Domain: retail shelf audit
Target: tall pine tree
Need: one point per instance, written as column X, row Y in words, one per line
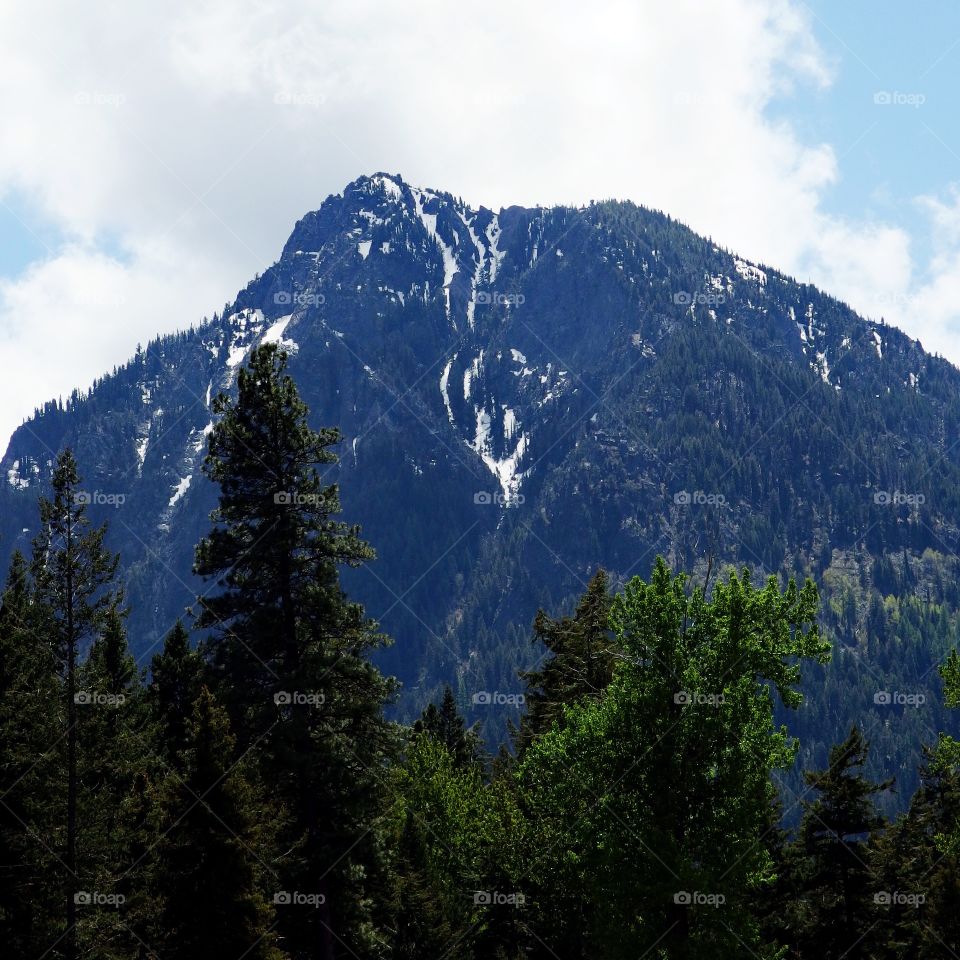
column 290, row 652
column 74, row 576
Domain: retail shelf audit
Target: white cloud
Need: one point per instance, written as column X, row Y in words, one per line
column 153, row 137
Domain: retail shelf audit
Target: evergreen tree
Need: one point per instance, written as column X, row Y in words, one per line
column 74, row 575
column 290, row 653
column 579, row 664
column 30, row 788
column 116, row 751
column 836, row 902
column 208, row 872
column 177, row 674
column 446, row 725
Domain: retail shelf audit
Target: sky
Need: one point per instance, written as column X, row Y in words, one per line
column 156, row 156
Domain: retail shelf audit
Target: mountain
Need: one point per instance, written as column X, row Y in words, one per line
column 530, row 393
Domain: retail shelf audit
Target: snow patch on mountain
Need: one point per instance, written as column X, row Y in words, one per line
column 429, row 221
column 496, row 254
column 142, row 444
column 182, row 486
column 478, row 270
column 14, row 478
column 504, row 470
column 750, row 272
column 444, row 382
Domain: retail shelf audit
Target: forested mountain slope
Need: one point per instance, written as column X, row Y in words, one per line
column 529, row 394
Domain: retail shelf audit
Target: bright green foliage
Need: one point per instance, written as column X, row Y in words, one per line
column 659, row 792
column 457, row 858
column 948, row 749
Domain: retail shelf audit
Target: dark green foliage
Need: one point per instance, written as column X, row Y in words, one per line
column 834, row 903
column 177, row 674
column 580, row 654
column 30, row 789
column 288, row 653
column 210, row 859
column 74, row 594
column 445, row 725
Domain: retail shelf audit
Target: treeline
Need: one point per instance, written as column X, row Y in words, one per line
column 248, row 798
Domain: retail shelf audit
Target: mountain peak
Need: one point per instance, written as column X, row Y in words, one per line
column 524, row 394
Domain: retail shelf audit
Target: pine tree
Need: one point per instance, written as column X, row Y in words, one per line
column 832, row 855
column 115, row 754
column 290, row 653
column 74, row 575
column 29, row 785
column 446, row 725
column 177, row 674
column 208, row 871
column 579, row 665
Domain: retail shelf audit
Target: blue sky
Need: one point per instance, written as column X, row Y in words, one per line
column 156, row 158
column 888, row 154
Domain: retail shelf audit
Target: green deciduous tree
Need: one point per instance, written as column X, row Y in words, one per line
column 649, row 805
